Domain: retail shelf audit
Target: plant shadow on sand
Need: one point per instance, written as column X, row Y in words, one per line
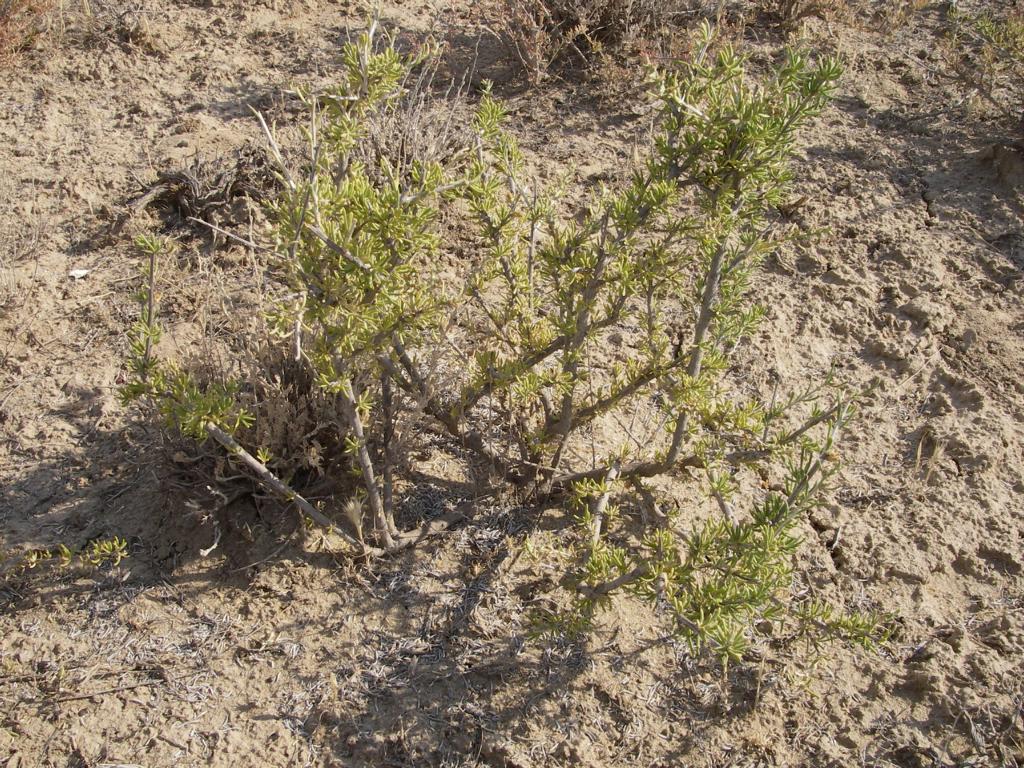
column 423, row 658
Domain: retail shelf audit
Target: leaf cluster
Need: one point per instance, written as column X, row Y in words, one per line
column 96, row 553
column 179, row 398
column 727, row 581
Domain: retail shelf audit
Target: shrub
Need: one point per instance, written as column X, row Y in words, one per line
column 510, row 359
column 541, row 34
column 789, row 14
column 988, row 55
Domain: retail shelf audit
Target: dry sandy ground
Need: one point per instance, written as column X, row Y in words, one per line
column 174, row 659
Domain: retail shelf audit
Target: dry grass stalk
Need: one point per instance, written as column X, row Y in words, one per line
column 540, row 34
column 20, row 23
column 790, row 14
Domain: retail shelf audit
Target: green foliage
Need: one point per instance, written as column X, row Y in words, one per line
column 176, row 394
column 724, row 579
column 668, row 253
column 95, row 554
column 357, row 238
column 682, row 237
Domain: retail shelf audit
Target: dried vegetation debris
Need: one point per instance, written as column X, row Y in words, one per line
column 206, row 190
column 20, row 22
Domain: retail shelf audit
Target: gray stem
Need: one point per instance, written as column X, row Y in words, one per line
column 599, row 505
column 278, row 486
column 350, row 409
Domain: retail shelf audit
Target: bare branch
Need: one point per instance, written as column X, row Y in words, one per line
column 281, row 488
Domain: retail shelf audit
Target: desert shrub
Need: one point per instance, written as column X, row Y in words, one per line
column 509, row 354
column 789, row 14
column 541, row 34
column 987, row 53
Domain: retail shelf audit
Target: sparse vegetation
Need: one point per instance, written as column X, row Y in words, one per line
column 670, row 253
column 541, row 34
column 93, row 555
column 577, row 614
column 20, row 22
column 988, row 55
column 789, row 14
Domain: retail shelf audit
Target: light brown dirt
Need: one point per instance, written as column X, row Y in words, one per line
column 176, row 659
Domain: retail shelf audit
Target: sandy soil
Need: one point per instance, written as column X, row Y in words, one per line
column 176, row 659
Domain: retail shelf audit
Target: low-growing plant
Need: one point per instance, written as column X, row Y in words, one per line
column 95, row 554
column 540, row 34
column 987, row 53
column 20, row 23
column 521, row 356
column 790, row 14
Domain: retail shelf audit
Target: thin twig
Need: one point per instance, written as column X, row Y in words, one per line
column 607, row 587
column 81, row 696
column 236, row 238
column 350, row 408
column 146, row 356
column 276, row 149
column 338, row 249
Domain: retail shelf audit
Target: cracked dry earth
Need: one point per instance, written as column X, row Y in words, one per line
column 268, row 653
